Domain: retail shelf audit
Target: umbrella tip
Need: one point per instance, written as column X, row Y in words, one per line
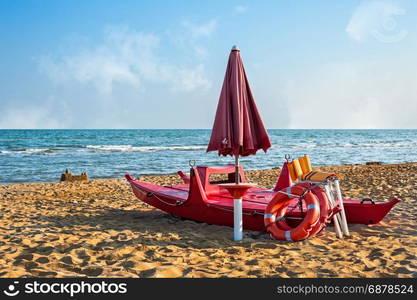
column 235, row 48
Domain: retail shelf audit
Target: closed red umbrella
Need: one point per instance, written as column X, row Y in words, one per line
column 238, row 128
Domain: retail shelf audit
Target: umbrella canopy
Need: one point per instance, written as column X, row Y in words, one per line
column 238, row 129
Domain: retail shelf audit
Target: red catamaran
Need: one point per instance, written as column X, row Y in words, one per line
column 201, row 199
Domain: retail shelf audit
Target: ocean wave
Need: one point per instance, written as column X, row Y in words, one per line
column 310, row 145
column 376, row 144
column 130, row 148
column 28, row 151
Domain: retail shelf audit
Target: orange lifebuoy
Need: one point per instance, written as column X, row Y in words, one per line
column 326, row 211
column 275, row 212
column 325, row 208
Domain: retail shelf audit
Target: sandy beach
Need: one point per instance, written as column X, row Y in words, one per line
column 99, row 229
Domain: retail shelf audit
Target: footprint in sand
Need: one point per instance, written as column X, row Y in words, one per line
column 46, row 274
column 187, row 272
column 254, row 272
column 147, row 273
column 42, row 260
column 30, row 265
column 252, row 262
column 44, row 250
column 400, row 253
column 128, row 264
column 376, row 254
column 82, row 254
column 24, row 256
column 92, row 271
column 67, row 259
column 326, row 273
column 110, row 262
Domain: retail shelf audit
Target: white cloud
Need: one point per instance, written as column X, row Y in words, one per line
column 91, row 80
column 200, row 30
column 189, row 80
column 240, row 9
column 124, row 56
column 354, row 95
column 376, row 19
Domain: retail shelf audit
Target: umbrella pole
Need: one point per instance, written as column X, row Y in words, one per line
column 237, row 169
column 237, row 208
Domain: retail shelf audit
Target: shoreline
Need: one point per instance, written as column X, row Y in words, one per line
column 99, row 229
column 320, row 167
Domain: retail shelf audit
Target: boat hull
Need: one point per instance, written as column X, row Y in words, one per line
column 188, row 202
column 194, row 209
column 365, row 212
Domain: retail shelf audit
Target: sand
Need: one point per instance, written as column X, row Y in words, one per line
column 99, row 229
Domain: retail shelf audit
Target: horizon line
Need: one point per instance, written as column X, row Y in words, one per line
column 203, row 128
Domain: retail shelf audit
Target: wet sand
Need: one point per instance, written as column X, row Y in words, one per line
column 99, row 229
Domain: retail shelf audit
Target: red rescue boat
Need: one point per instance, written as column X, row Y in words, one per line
column 201, row 198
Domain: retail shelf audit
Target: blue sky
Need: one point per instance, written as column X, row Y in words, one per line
column 160, row 64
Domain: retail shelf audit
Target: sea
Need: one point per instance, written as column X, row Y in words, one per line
column 43, row 155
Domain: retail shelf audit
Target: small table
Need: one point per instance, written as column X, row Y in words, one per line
column 237, row 190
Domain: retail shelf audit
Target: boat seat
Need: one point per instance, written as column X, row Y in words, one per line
column 300, row 169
